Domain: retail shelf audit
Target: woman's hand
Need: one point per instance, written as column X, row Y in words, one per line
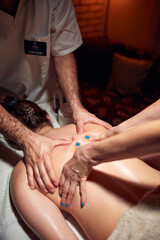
column 75, row 173
column 109, row 133
column 38, row 155
column 82, row 117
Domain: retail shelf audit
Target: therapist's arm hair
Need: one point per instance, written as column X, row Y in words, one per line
column 37, row 148
column 13, row 129
column 66, row 68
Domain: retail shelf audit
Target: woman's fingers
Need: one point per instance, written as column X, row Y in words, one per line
column 109, row 133
column 70, row 193
column 65, row 193
column 99, row 137
column 61, row 184
column 67, row 187
column 83, row 192
column 74, row 173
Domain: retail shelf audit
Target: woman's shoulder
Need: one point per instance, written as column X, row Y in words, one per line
column 69, row 130
column 95, row 128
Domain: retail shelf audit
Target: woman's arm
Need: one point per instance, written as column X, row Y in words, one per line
column 41, row 214
column 150, row 113
column 139, row 141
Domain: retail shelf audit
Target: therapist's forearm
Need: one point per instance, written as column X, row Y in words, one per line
column 66, row 69
column 14, row 129
column 140, row 141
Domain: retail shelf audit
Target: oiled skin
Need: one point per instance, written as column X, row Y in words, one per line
column 112, row 188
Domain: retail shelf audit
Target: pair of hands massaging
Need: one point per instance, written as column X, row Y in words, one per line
column 38, row 157
column 76, row 171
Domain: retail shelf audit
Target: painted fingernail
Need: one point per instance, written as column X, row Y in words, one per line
column 60, row 195
column 87, row 137
column 66, row 205
column 82, row 204
column 62, row 204
column 78, row 144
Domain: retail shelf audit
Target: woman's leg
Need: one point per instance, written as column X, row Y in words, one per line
column 42, row 215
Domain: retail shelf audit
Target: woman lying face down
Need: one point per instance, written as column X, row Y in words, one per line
column 112, row 188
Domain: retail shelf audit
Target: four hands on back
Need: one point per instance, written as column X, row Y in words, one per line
column 138, row 141
column 38, row 155
column 76, row 171
column 140, row 135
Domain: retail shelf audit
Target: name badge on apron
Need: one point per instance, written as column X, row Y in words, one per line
column 35, row 47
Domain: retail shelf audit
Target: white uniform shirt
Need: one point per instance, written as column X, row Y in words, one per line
column 51, row 23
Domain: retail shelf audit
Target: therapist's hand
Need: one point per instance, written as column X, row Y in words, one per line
column 38, row 157
column 82, row 117
column 75, row 173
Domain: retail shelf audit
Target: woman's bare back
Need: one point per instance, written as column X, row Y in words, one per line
column 112, row 187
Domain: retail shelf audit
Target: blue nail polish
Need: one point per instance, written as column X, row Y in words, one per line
column 78, row 144
column 66, row 205
column 62, row 204
column 87, row 137
column 82, row 204
column 60, row 195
